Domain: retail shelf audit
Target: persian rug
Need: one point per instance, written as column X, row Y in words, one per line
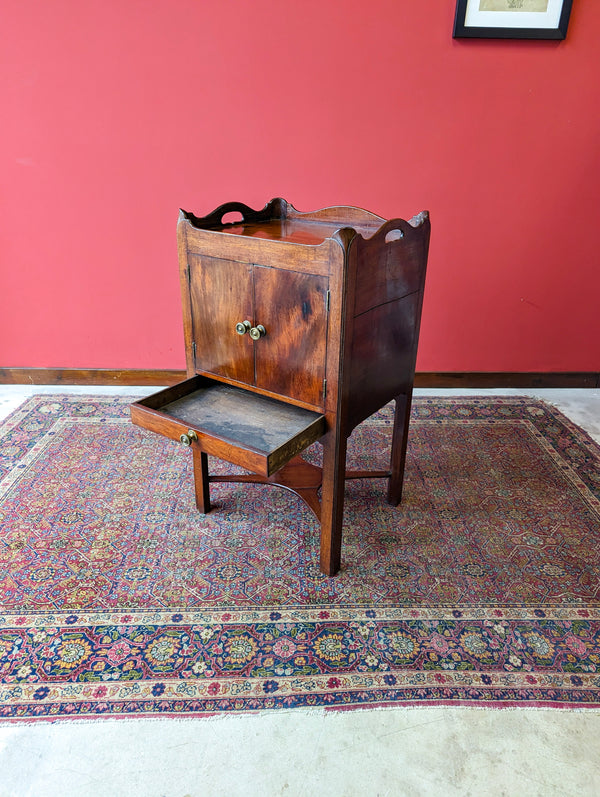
column 117, row 598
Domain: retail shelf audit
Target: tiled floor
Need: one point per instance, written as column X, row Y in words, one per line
column 421, row 751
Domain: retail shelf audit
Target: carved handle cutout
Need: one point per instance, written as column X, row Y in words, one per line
column 232, row 217
column 394, row 235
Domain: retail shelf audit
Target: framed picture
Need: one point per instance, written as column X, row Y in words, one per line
column 512, row 19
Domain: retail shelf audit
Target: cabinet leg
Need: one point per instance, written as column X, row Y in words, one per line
column 201, row 482
column 332, row 503
column 399, row 441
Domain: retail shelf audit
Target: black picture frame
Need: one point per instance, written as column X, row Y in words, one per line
column 464, row 31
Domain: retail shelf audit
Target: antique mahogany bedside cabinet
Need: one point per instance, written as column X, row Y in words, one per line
column 298, row 326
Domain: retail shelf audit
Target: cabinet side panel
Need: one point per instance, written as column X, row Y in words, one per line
column 290, row 358
column 221, row 296
column 390, row 278
column 382, row 363
column 394, row 270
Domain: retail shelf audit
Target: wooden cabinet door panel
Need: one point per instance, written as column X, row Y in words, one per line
column 221, row 296
column 290, row 358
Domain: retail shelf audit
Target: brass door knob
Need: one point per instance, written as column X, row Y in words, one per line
column 189, row 438
column 257, row 332
column 242, row 327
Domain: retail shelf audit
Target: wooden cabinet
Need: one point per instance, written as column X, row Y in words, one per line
column 289, row 308
column 298, row 326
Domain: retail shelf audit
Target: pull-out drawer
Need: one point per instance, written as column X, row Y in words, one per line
column 258, row 433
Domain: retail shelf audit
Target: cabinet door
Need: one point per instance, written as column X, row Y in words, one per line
column 221, row 296
column 290, row 358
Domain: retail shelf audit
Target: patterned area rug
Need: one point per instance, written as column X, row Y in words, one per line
column 118, row 598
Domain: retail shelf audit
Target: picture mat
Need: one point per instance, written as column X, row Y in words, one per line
column 476, row 18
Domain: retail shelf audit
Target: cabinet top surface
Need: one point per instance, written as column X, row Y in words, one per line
column 299, row 231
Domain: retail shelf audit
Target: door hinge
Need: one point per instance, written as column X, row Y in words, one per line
column 324, row 389
column 327, row 301
column 194, row 350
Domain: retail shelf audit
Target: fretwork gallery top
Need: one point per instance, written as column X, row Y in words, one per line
column 298, row 326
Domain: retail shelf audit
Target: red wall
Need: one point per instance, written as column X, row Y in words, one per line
column 115, row 114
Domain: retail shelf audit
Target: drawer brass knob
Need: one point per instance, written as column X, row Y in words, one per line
column 189, row 438
column 257, row 332
column 242, row 327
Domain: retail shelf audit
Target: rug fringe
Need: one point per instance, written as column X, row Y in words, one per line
column 326, row 713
